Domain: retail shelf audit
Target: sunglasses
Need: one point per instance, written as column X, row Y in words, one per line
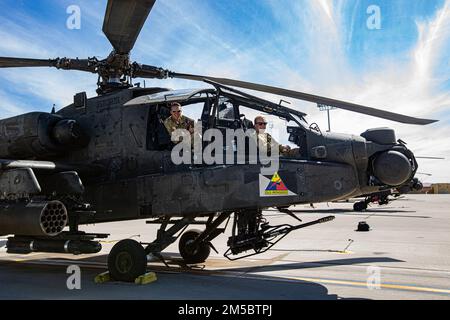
column 176, row 111
column 261, row 123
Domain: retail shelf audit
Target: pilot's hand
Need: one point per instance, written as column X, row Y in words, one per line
column 285, row 149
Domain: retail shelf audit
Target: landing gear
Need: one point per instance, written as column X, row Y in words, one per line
column 360, row 206
column 381, row 198
column 251, row 232
column 194, row 245
column 383, row 201
column 127, row 261
column 190, row 252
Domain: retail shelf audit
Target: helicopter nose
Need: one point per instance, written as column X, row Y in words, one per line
column 392, row 168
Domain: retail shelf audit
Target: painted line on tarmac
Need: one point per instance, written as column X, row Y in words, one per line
column 329, row 281
column 337, row 282
column 364, row 284
column 252, row 277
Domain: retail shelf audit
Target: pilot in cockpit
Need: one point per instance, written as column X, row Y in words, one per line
column 265, row 140
column 178, row 121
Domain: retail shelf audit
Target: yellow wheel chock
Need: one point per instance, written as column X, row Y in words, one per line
column 102, row 277
column 143, row 279
column 146, row 278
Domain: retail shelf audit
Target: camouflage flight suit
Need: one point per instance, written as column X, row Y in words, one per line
column 265, row 139
column 172, row 125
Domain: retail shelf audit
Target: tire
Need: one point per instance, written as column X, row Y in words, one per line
column 193, row 255
column 127, row 261
column 360, row 206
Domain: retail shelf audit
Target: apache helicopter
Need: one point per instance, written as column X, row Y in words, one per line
column 108, row 158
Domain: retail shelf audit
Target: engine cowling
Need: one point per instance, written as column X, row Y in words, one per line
column 383, row 136
column 39, row 134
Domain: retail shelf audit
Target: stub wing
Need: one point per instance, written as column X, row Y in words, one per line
column 18, row 179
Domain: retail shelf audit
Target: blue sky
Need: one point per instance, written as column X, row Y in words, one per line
column 319, row 46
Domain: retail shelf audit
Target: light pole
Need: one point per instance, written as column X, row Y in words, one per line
column 323, row 107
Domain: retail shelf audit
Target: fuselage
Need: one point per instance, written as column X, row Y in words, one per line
column 136, row 177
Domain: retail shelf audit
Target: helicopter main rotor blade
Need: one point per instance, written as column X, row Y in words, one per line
column 123, row 22
column 425, row 174
column 309, row 97
column 59, row 63
column 6, row 62
column 429, row 158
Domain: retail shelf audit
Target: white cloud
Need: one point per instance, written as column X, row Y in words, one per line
column 55, row 86
column 16, row 45
column 412, row 89
column 433, row 36
column 9, row 108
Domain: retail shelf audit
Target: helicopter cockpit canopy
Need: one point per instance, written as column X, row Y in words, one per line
column 221, row 108
column 225, row 93
column 167, row 96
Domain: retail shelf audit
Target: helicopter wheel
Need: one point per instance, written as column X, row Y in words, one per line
column 127, row 261
column 192, row 254
column 360, row 206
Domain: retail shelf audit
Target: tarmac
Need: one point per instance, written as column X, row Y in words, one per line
column 405, row 255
